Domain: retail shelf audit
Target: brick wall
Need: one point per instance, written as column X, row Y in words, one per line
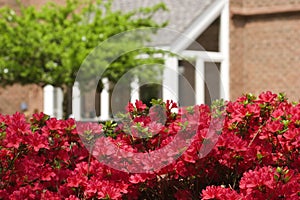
column 236, row 3
column 268, row 3
column 236, row 56
column 265, row 49
column 11, row 98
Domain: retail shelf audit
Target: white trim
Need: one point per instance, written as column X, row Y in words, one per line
column 198, row 26
column 48, row 91
column 200, row 81
column 170, row 86
column 207, row 56
column 224, row 49
column 134, row 90
column 76, row 102
column 105, row 100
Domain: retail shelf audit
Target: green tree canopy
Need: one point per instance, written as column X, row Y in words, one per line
column 48, row 45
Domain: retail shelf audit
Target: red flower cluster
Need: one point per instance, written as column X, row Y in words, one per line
column 247, row 149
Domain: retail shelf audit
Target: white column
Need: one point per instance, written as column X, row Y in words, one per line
column 200, row 81
column 76, row 102
column 104, row 115
column 134, row 90
column 49, row 100
column 59, row 103
column 170, row 80
column 224, row 49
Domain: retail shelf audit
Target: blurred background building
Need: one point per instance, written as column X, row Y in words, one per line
column 254, row 44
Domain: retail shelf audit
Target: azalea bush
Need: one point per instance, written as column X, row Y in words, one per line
column 246, row 149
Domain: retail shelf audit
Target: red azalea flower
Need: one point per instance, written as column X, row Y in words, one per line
column 137, row 178
column 220, row 193
column 76, row 180
column 109, row 191
column 267, row 97
column 37, row 141
column 140, row 105
column 54, row 124
column 260, row 181
column 47, row 160
column 129, row 107
column 274, row 126
column 72, row 197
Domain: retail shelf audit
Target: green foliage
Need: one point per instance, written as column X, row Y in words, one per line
column 109, row 128
column 48, row 45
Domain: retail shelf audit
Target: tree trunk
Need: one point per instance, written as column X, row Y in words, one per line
column 67, row 101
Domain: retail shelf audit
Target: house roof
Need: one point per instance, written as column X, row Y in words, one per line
column 180, row 15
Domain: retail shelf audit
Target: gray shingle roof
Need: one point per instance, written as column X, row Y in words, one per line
column 180, row 15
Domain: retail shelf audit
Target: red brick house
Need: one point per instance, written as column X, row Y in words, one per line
column 265, row 47
column 254, row 44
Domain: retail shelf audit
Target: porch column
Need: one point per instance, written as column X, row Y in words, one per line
column 134, row 90
column 224, row 49
column 76, row 102
column 200, row 81
column 170, row 80
column 104, row 114
column 48, row 91
column 58, row 106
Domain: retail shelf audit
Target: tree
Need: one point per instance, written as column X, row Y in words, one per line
column 48, row 45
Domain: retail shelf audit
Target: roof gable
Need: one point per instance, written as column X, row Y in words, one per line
column 181, row 15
